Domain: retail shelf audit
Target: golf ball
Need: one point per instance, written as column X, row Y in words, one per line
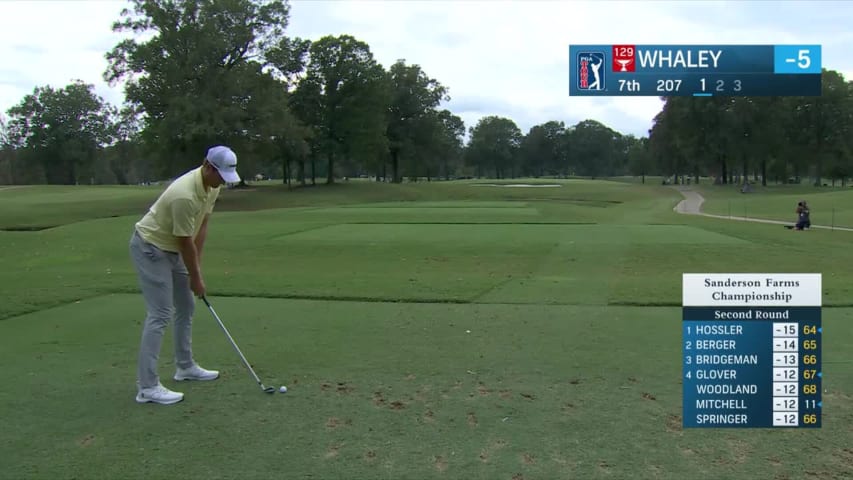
column 282, row 389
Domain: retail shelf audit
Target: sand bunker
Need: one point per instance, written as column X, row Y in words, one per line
column 518, row 185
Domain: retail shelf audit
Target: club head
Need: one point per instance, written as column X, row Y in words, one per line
column 269, row 389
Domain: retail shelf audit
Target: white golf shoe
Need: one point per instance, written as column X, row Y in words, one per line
column 159, row 394
column 195, row 373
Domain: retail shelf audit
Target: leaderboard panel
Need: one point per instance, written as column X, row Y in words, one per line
column 694, row 70
column 752, row 350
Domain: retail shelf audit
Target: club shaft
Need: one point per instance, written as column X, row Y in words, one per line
column 233, row 343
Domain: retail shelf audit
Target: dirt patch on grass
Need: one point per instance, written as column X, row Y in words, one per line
column 740, row 451
column 422, row 394
column 518, row 476
column 529, row 396
column 528, row 459
column 649, row 396
column 397, row 405
column 333, row 451
column 370, row 455
column 340, row 387
column 429, row 416
column 846, row 457
column 86, row 441
column 505, row 393
column 487, row 452
column 472, row 419
column 673, row 423
column 440, row 463
column 378, row 399
column 334, row 422
column 410, row 377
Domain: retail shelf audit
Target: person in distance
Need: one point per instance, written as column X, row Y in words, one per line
column 803, row 220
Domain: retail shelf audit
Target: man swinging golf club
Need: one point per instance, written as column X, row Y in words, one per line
column 166, row 248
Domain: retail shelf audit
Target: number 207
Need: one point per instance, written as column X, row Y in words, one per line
column 669, row 85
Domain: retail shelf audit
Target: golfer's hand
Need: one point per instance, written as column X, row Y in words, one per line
column 197, row 286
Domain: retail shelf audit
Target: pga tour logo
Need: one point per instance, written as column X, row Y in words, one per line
column 590, row 73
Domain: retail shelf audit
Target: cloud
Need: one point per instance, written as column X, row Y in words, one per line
column 511, row 58
column 507, row 58
column 54, row 43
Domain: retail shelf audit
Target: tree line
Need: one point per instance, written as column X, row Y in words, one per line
column 224, row 71
column 773, row 139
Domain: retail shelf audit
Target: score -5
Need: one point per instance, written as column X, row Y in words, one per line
column 719, row 86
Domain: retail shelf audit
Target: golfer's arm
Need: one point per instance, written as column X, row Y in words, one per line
column 190, row 256
column 201, row 237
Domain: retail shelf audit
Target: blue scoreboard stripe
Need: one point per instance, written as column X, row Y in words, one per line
column 796, row 59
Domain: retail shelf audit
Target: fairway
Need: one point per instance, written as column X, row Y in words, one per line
column 423, row 331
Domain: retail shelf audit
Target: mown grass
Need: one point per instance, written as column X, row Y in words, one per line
column 829, row 206
column 429, row 330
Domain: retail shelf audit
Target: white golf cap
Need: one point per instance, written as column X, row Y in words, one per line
column 224, row 160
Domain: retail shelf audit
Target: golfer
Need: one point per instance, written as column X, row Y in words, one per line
column 166, row 248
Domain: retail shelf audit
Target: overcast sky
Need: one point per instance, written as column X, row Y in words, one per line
column 496, row 57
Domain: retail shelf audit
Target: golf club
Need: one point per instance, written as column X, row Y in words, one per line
column 233, row 344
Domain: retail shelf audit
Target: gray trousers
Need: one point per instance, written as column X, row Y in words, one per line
column 165, row 285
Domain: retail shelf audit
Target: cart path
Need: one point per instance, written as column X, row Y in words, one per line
column 692, row 205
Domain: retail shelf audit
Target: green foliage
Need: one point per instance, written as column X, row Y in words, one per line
column 413, row 124
column 200, row 78
column 771, row 137
column 494, row 146
column 61, row 129
column 207, row 72
column 344, row 98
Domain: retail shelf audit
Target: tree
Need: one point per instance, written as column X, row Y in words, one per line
column 765, row 136
column 828, row 121
column 449, row 141
column 344, row 98
column 541, row 149
column 125, row 156
column 494, row 144
column 593, row 148
column 414, row 98
column 194, row 77
column 7, row 153
column 64, row 129
column 638, row 158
